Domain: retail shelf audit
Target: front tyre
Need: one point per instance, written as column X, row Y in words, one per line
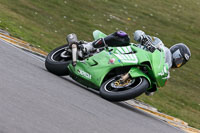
column 112, row 90
column 57, row 61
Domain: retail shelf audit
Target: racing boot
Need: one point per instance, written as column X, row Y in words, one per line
column 100, row 43
column 92, row 46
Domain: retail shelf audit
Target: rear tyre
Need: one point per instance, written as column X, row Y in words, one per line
column 135, row 87
column 57, row 61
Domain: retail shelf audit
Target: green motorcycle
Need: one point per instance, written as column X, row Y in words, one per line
column 119, row 73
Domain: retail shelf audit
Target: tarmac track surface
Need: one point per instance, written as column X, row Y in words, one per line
column 33, row 100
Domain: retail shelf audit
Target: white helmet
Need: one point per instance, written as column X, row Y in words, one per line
column 137, row 35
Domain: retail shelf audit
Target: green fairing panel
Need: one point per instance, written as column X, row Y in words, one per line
column 95, row 68
column 158, row 71
column 136, row 72
column 159, row 68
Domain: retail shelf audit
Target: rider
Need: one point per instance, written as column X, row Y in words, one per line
column 176, row 56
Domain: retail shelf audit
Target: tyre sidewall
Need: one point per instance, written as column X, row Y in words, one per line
column 55, row 67
column 124, row 95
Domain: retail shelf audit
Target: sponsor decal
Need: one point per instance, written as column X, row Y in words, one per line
column 112, row 61
column 163, row 72
column 85, row 74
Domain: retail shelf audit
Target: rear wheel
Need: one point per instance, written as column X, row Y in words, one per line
column 114, row 90
column 57, row 61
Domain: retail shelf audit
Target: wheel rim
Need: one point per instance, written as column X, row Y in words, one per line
column 110, row 86
column 61, row 55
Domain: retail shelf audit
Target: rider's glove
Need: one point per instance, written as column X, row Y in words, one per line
column 144, row 39
column 147, row 43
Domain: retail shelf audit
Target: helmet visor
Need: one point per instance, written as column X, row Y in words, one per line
column 178, row 58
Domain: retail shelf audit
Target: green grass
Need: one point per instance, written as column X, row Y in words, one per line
column 45, row 25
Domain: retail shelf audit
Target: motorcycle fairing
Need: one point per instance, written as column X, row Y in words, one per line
column 92, row 71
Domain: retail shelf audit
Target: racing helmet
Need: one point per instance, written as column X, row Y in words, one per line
column 180, row 55
column 138, row 35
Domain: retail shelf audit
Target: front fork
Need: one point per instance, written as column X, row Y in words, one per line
column 124, row 77
column 74, row 54
column 134, row 73
column 72, row 40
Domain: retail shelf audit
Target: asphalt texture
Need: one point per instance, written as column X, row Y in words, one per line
column 32, row 100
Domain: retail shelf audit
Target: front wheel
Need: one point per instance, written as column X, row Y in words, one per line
column 114, row 90
column 57, row 61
